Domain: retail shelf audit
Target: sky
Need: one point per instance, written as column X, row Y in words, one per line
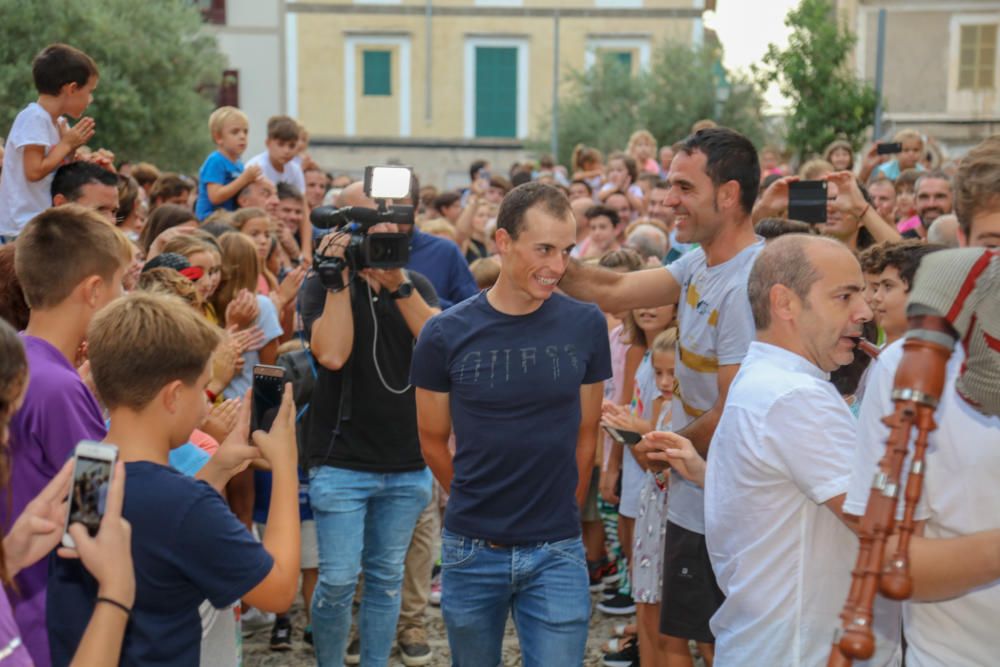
column 745, row 28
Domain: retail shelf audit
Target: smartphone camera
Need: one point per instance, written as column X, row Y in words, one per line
column 268, row 386
column 623, row 437
column 93, row 465
column 889, row 149
column 807, row 201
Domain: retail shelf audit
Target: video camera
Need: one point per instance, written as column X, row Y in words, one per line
column 381, row 250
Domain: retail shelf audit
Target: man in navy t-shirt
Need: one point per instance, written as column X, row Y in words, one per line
column 518, row 371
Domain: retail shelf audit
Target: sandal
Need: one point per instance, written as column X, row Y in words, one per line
column 618, row 644
column 625, row 630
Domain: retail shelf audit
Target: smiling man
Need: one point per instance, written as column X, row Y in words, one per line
column 934, row 198
column 713, row 185
column 517, row 372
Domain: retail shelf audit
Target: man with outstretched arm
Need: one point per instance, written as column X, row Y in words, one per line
column 713, row 185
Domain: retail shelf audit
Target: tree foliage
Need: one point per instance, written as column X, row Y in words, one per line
column 602, row 106
column 153, row 58
column 828, row 101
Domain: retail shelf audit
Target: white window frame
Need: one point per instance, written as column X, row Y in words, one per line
column 499, row 3
column 971, row 101
column 620, row 4
column 522, row 46
column 640, row 44
column 351, row 42
column 378, row 2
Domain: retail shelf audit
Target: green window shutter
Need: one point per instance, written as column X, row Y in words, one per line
column 496, row 91
column 377, row 73
column 624, row 58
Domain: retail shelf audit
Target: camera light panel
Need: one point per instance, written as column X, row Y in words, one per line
column 387, row 182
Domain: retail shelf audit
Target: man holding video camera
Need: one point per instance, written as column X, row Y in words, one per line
column 367, row 479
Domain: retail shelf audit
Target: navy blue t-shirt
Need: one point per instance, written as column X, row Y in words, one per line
column 187, row 546
column 514, row 391
column 443, row 264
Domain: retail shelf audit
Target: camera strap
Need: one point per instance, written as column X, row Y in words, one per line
column 346, row 373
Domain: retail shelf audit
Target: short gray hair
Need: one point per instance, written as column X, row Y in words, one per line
column 783, row 261
column 648, row 241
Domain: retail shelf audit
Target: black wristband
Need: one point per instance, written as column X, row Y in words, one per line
column 115, row 603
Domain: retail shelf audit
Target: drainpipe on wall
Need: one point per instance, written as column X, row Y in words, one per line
column 555, row 85
column 428, row 26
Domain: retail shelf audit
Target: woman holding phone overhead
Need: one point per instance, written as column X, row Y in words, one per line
column 38, row 531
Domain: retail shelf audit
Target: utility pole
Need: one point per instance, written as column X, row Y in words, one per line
column 879, row 67
column 555, row 86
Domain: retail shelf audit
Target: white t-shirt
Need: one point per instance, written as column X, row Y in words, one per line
column 221, row 641
column 961, row 496
column 20, row 199
column 292, row 173
column 783, row 447
column 715, row 327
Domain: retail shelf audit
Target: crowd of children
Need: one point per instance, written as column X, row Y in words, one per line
column 145, row 298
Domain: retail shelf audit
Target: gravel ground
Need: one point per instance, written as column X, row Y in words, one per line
column 256, row 652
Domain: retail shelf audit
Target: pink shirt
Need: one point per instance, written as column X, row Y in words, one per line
column 613, row 388
column 908, row 224
column 204, row 442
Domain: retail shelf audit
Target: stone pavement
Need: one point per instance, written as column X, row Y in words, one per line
column 257, row 654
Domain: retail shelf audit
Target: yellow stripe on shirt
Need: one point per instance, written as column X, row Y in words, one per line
column 697, row 362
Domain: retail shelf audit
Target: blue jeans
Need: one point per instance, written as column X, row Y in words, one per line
column 364, row 522
column 545, row 586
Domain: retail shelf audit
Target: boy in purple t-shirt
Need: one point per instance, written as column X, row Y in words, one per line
column 58, row 410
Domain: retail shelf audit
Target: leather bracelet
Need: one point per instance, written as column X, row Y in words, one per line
column 114, row 603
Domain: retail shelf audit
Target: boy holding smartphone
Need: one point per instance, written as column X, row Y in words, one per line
column 150, row 357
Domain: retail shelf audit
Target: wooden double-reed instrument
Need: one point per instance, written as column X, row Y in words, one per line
column 956, row 285
column 916, row 390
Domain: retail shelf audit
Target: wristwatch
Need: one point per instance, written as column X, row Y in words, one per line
column 404, row 290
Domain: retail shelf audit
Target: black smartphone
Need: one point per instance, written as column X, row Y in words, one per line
column 622, row 437
column 93, row 465
column 889, row 149
column 807, row 201
column 268, row 386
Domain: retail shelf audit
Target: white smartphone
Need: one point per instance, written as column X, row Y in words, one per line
column 93, row 468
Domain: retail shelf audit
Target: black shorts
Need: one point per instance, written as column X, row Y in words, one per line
column 690, row 595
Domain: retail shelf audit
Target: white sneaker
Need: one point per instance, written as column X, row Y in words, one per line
column 254, row 619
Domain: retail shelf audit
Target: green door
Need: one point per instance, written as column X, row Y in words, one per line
column 496, row 91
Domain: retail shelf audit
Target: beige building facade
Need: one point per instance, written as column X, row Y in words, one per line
column 434, row 84
column 439, row 84
column 942, row 65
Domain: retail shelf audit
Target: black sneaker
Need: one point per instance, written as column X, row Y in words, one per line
column 609, row 591
column 353, row 654
column 307, row 635
column 627, row 657
column 619, row 605
column 281, row 634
